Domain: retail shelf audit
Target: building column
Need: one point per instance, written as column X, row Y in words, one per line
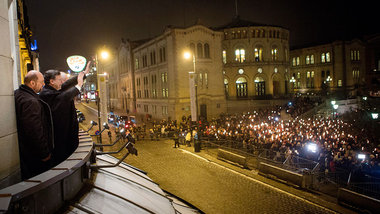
column 9, row 80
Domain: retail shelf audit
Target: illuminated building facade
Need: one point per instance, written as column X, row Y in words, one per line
column 154, row 75
column 334, row 67
column 255, row 60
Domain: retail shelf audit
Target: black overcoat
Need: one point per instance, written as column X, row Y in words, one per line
column 65, row 120
column 35, row 131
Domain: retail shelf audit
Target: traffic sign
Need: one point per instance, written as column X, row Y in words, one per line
column 97, row 132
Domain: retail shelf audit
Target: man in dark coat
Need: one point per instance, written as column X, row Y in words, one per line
column 34, row 125
column 60, row 97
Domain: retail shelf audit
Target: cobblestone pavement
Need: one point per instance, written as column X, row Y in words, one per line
column 211, row 187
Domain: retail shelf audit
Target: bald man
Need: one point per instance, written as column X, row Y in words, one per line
column 34, row 125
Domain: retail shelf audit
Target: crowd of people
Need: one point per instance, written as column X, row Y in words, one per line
column 334, row 144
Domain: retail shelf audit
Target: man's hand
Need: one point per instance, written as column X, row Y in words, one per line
column 80, row 79
column 47, row 158
column 88, row 67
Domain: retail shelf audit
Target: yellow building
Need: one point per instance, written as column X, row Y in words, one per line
column 255, row 60
column 338, row 66
column 154, row 75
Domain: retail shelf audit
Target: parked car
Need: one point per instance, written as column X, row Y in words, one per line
column 112, row 118
column 127, row 121
column 80, row 116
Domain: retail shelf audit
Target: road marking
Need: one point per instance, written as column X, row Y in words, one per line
column 257, row 181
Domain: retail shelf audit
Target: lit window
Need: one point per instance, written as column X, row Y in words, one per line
column 260, row 70
column 164, row 110
column 355, row 55
column 240, row 55
column 298, row 60
column 224, row 57
column 307, row 59
column 310, row 79
column 136, row 63
column 241, row 71
column 325, row 57
column 340, row 83
column 258, row 54
column 311, row 59
column 328, row 57
column 206, row 79
column 294, row 61
column 274, row 54
column 241, row 87
column 259, row 86
column 275, row 70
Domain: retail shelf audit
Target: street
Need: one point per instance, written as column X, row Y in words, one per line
column 211, row 186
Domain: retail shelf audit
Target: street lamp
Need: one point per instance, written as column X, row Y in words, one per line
column 293, row 81
column 335, row 108
column 375, row 116
column 104, row 55
column 193, row 88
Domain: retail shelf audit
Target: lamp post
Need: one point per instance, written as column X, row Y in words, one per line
column 104, row 55
column 193, row 88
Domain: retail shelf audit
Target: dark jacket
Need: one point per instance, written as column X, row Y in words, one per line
column 35, row 131
column 65, row 120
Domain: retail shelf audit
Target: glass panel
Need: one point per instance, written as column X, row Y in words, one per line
column 241, row 80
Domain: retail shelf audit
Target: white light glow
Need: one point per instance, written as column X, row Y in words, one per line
column 312, row 147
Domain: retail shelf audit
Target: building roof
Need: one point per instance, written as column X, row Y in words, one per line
column 237, row 23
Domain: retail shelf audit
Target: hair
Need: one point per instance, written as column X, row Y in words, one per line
column 50, row 75
column 30, row 76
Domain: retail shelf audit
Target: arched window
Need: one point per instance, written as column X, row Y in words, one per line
column 274, row 53
column 224, row 54
column 200, row 50
column 207, row 50
column 241, row 87
column 258, row 54
column 260, row 86
column 240, row 55
column 192, row 48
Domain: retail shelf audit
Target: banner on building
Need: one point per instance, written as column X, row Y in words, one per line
column 193, row 95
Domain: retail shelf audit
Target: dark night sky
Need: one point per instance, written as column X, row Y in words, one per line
column 66, row 27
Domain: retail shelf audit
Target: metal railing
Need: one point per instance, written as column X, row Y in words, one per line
column 324, row 179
